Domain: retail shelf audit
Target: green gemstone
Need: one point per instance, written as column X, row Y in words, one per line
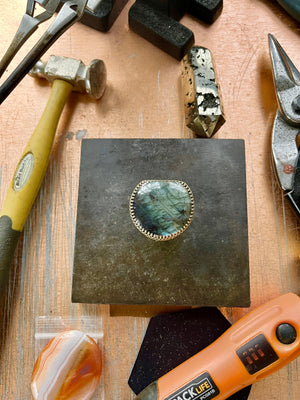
column 162, row 209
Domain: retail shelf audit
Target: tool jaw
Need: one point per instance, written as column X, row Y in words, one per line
column 92, row 5
column 286, row 125
column 78, row 5
column 85, row 79
column 285, row 152
column 49, row 5
column 287, row 83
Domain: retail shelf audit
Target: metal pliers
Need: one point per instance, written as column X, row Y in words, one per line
column 292, row 7
column 68, row 14
column 287, row 123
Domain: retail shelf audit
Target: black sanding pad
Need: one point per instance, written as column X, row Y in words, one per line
column 171, row 339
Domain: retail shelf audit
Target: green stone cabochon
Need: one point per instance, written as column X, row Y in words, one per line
column 162, row 209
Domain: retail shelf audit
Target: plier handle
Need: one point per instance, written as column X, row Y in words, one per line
column 286, row 125
column 292, row 7
column 28, row 25
column 68, row 14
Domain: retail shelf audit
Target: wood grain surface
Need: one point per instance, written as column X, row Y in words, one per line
column 143, row 99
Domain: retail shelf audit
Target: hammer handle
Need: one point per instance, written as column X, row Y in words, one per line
column 28, row 177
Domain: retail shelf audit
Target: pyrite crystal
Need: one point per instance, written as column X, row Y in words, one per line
column 162, row 210
column 202, row 105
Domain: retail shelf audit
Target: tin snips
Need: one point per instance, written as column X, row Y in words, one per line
column 286, row 126
column 67, row 15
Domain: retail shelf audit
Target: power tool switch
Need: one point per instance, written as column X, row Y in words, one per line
column 286, row 333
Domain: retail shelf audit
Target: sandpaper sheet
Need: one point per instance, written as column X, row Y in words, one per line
column 207, row 265
column 172, row 338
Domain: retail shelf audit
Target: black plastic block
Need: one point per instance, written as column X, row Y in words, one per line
column 159, row 29
column 205, row 10
column 104, row 16
column 157, row 21
column 172, row 8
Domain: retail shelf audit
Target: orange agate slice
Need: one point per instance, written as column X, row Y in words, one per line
column 68, row 368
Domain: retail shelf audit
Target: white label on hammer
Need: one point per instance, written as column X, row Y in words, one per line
column 23, row 172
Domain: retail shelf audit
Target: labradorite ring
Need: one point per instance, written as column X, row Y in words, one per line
column 161, row 209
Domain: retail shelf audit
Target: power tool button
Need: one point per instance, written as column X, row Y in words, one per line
column 286, row 333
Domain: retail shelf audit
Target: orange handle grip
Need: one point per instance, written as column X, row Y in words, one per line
column 257, row 345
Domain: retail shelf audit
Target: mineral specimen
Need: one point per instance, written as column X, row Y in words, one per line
column 68, row 368
column 162, row 210
column 202, row 105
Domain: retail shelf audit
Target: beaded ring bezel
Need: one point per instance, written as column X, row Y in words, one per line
column 153, row 236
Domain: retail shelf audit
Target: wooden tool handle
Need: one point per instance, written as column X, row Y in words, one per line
column 28, row 177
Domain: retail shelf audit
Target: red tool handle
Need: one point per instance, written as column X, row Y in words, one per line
column 260, row 343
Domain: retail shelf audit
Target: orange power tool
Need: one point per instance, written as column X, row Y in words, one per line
column 260, row 343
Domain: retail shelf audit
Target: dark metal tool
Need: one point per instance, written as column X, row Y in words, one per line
column 287, row 123
column 157, row 21
column 101, row 14
column 292, row 7
column 71, row 12
column 28, row 25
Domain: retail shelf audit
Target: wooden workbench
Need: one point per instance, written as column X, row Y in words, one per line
column 143, row 99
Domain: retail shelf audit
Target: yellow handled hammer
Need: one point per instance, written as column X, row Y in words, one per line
column 67, row 75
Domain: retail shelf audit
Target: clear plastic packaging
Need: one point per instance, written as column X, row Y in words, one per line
column 46, row 328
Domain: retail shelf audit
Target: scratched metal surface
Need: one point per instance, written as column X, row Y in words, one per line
column 144, row 100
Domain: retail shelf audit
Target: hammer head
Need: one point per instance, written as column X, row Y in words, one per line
column 90, row 79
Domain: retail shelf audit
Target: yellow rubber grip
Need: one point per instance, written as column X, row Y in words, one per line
column 31, row 169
